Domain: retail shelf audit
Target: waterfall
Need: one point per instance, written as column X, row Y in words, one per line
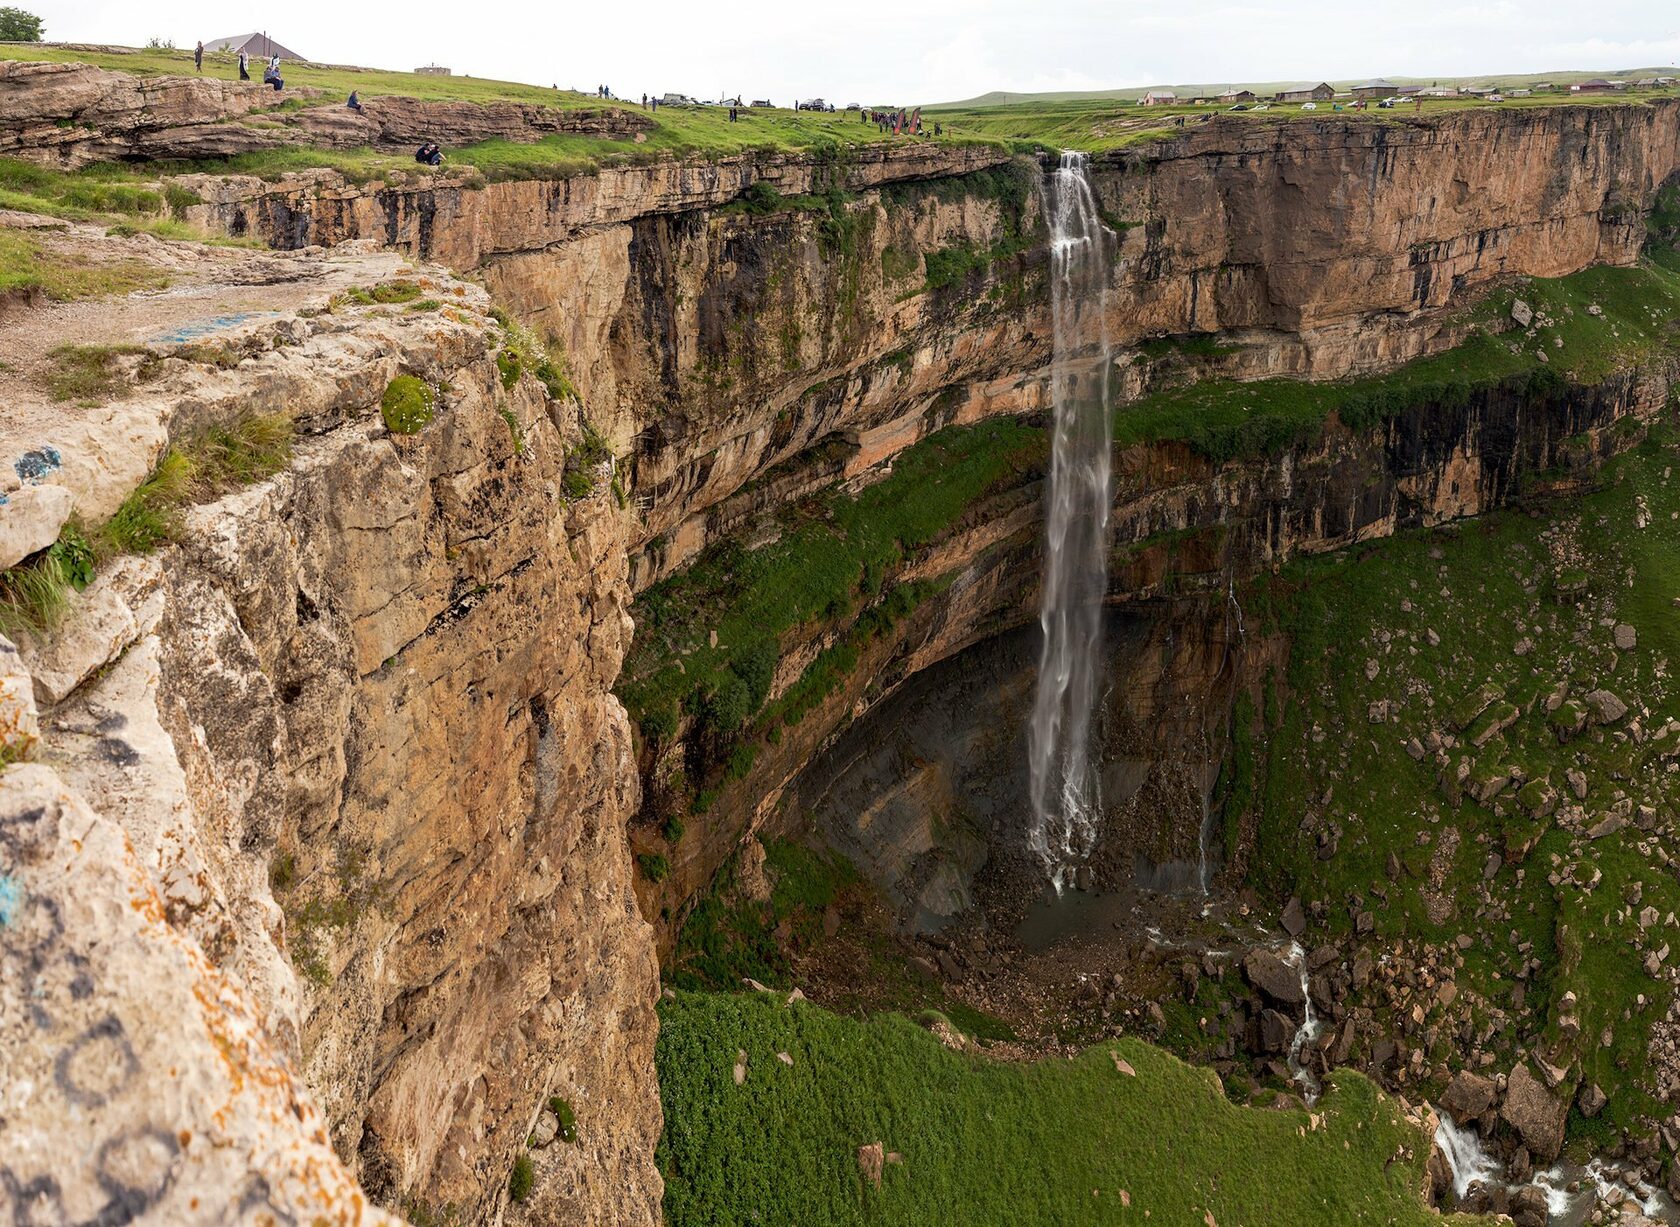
column 1066, row 802
column 1466, row 1160
column 1308, row 1034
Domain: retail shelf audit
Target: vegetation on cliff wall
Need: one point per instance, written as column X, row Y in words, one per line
column 832, row 557
column 1123, row 1131
column 1478, row 735
column 1588, row 325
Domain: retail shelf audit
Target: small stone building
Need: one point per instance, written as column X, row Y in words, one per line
column 1306, row 93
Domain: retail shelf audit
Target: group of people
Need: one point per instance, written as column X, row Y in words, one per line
column 908, row 122
column 271, row 71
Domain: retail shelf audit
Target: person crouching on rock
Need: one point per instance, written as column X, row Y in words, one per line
column 355, row 103
column 429, row 155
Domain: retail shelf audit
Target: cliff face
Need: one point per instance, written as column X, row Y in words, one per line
column 358, row 729
column 355, row 732
column 748, row 350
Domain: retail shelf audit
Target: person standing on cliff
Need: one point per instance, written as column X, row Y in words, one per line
column 244, row 65
column 198, row 57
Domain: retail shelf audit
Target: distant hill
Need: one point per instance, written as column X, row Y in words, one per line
column 1207, row 89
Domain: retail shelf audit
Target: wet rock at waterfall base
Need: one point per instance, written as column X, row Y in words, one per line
column 1273, row 977
column 1276, row 1031
column 1467, row 1096
column 1535, row 1113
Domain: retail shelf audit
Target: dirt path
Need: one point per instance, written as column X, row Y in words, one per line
column 212, row 294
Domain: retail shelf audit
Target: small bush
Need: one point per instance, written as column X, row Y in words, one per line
column 654, row 866
column 407, row 405
column 521, row 1179
column 727, row 707
column 178, row 197
column 508, row 363
column 567, row 1118
column 674, row 830
column 660, row 724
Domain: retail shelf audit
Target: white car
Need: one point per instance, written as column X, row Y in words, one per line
column 1309, row 106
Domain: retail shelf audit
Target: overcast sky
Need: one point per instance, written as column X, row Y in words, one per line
column 890, row 51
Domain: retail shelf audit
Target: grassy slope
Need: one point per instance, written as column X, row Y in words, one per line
column 831, row 556
column 1099, row 125
column 1054, row 1142
column 1223, row 419
column 1481, row 589
column 703, row 131
column 1509, row 80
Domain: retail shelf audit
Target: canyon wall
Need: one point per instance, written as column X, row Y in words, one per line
column 352, row 742
column 746, row 348
column 357, row 731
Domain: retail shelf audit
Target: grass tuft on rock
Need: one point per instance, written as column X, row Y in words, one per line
column 407, row 405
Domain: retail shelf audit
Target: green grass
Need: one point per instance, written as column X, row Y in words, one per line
column 1052, row 1142
column 1224, row 419
column 832, row 557
column 1480, row 588
column 407, row 405
column 28, row 264
column 1097, row 125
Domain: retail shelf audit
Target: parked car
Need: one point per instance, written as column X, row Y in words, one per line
column 1241, row 106
column 1309, row 106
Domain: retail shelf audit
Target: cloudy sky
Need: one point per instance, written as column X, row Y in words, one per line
column 889, row 51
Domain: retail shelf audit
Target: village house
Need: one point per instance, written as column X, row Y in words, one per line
column 1306, row 93
column 257, row 46
column 1236, row 95
column 1376, row 89
column 1159, row 98
column 1598, row 85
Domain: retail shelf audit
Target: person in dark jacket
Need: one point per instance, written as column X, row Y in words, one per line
column 244, row 65
column 429, row 154
column 198, row 57
column 355, row 103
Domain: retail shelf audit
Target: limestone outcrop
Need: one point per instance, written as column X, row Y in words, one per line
column 350, row 744
column 73, row 114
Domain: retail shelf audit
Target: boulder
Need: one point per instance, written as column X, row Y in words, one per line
column 1627, row 638
column 1591, row 1100
column 1276, row 1031
column 1273, row 977
column 1535, row 1113
column 1467, row 1096
column 126, row 1046
column 871, row 1158
column 29, row 520
column 1521, row 313
column 1606, row 708
column 1294, row 919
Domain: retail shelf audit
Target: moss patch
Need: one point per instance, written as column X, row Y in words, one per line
column 407, row 405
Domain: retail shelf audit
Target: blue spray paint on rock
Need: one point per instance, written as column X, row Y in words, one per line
column 35, row 464
column 11, row 899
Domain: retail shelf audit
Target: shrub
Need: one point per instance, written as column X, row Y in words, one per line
column 728, row 706
column 654, row 866
column 567, row 1118
column 756, row 667
column 521, row 1179
column 406, row 405
column 508, row 363
column 659, row 724
column 674, row 830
